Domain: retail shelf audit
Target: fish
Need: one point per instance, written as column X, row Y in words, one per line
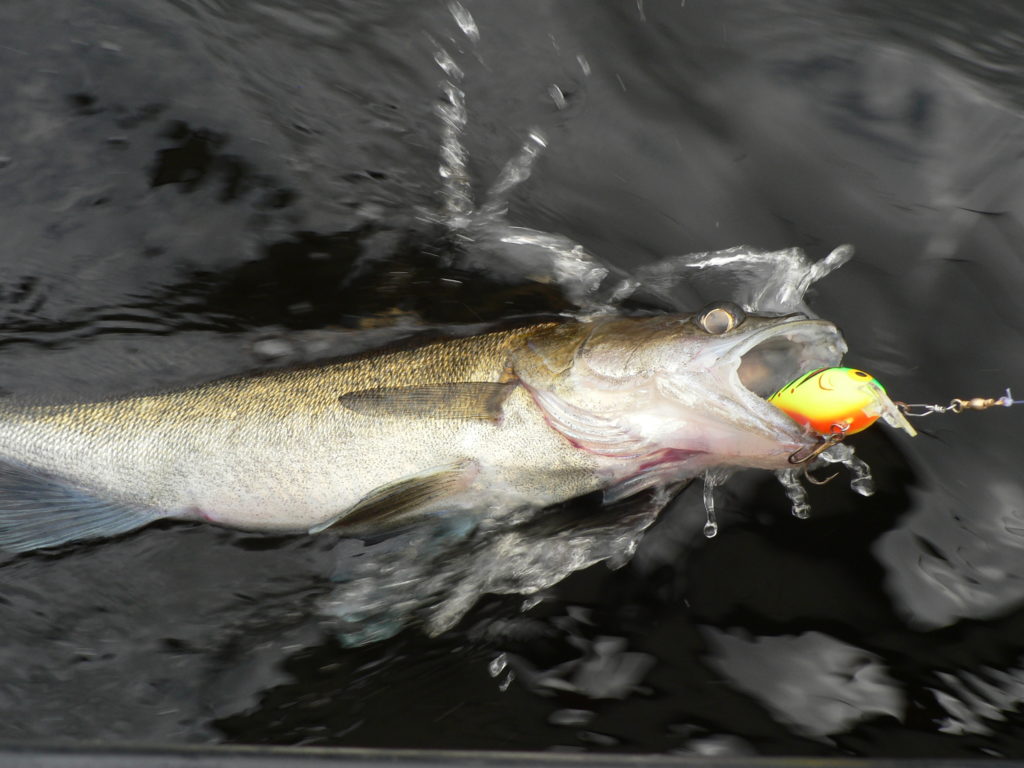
column 507, row 420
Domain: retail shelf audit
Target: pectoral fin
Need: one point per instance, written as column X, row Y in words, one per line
column 39, row 510
column 456, row 400
column 389, row 503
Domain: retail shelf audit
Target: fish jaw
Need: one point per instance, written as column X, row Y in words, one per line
column 700, row 405
column 720, row 399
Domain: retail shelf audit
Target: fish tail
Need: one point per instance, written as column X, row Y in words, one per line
column 40, row 510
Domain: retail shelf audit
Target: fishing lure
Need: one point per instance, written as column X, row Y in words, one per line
column 837, row 402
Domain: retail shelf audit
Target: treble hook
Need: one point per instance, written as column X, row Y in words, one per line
column 823, row 445
column 825, row 442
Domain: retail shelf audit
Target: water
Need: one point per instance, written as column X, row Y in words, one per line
column 198, row 188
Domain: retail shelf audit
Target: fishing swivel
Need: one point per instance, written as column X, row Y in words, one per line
column 958, row 405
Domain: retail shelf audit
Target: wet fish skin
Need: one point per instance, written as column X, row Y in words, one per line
column 513, row 419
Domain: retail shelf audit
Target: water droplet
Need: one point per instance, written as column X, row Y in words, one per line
column 571, row 717
column 504, row 684
column 790, row 479
column 711, row 526
column 531, row 602
column 557, row 96
column 861, row 481
column 465, row 21
column 865, row 486
column 497, row 665
column 447, row 64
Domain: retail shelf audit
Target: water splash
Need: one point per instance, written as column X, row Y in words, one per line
column 531, row 602
column 861, row 480
column 507, row 682
column 515, row 172
column 497, row 665
column 465, row 21
column 603, row 667
column 767, row 282
column 433, row 574
column 557, row 96
column 817, row 684
column 452, row 70
column 978, row 701
column 487, row 241
column 795, row 492
column 458, row 191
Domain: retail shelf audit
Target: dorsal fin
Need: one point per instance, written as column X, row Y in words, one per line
column 552, row 349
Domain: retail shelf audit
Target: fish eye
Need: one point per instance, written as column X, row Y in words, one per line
column 720, row 318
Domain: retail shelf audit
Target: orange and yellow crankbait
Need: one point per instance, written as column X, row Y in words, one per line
column 834, row 401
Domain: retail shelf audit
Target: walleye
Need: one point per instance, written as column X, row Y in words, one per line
column 504, row 421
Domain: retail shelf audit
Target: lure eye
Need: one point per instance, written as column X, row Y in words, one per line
column 720, row 318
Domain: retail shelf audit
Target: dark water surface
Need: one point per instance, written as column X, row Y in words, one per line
column 191, row 188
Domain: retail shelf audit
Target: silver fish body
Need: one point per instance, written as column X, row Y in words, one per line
column 501, row 421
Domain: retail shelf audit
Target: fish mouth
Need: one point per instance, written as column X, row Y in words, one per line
column 770, row 358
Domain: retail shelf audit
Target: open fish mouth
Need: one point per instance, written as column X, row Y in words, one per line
column 770, row 358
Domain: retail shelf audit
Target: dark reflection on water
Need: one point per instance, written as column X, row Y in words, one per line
column 193, row 189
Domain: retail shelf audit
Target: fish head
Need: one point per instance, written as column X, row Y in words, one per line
column 692, row 388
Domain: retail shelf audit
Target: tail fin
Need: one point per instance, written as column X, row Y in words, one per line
column 40, row 510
